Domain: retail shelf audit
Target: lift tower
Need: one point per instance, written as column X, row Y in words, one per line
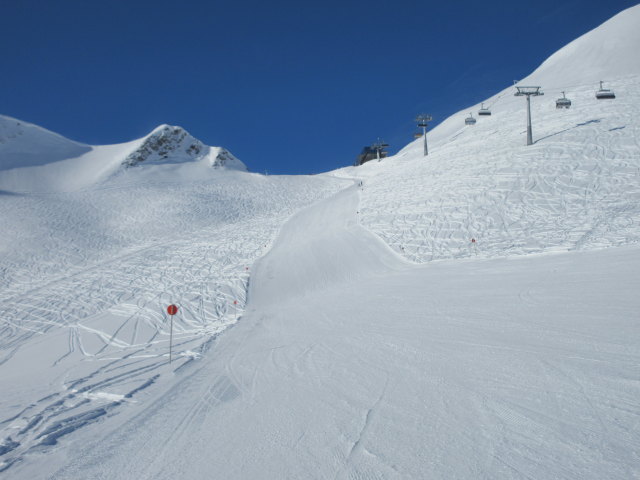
column 379, row 147
column 423, row 120
column 529, row 92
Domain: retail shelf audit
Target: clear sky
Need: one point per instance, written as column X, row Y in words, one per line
column 288, row 86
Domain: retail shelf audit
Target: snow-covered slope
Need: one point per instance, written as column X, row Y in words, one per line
column 608, row 52
column 33, row 159
column 85, row 276
column 25, row 145
column 96, row 240
column 348, row 360
column 577, row 187
column 489, row 369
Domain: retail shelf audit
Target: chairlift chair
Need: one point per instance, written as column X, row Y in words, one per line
column 484, row 111
column 417, row 135
column 604, row 93
column 563, row 102
column 470, row 120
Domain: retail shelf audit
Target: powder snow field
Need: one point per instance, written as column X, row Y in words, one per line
column 372, row 339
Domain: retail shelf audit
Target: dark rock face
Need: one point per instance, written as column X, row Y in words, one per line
column 165, row 142
column 223, row 158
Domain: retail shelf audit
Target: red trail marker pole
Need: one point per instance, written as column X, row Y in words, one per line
column 171, row 310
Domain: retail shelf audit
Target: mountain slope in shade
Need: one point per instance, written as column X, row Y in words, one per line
column 33, row 159
column 23, row 144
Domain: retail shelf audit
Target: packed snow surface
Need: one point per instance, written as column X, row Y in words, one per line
column 87, row 274
column 456, row 316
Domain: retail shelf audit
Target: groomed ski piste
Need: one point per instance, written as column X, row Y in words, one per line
column 342, row 325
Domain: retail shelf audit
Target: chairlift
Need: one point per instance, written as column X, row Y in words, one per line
column 375, row 151
column 604, row 93
column 417, row 135
column 484, row 111
column 563, row 102
column 470, row 120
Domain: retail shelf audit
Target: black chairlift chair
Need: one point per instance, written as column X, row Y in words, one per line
column 563, row 102
column 470, row 120
column 484, row 111
column 603, row 93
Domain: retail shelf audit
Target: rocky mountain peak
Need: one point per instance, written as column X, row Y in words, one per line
column 164, row 142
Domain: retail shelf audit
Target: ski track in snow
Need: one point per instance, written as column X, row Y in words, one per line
column 502, row 368
column 125, row 253
column 570, row 190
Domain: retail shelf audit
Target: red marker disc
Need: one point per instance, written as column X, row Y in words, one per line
column 172, row 309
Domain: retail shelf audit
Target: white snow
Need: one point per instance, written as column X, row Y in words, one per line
column 371, row 337
column 25, row 145
column 576, row 187
column 87, row 275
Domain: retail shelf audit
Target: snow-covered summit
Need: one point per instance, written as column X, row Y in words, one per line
column 23, row 144
column 169, row 143
column 33, row 159
column 608, row 51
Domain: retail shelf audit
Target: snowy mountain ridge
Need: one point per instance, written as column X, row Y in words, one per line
column 165, row 141
column 33, row 159
column 169, row 143
column 23, row 144
column 609, row 51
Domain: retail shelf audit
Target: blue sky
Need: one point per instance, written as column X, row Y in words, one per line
column 289, row 87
